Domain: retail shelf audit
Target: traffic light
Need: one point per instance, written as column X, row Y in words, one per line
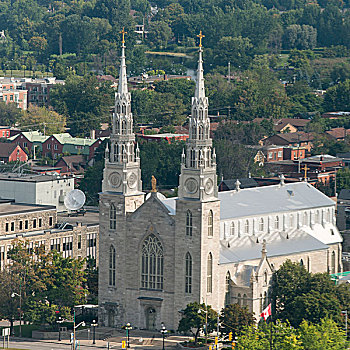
column 230, row 336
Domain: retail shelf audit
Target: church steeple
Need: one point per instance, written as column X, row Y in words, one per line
column 200, row 160
column 122, row 156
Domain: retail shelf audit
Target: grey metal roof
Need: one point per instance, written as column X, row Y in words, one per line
column 277, row 244
column 271, row 199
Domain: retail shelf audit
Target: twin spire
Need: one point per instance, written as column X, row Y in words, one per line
column 200, row 90
column 123, row 82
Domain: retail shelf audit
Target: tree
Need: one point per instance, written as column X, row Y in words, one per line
column 9, row 113
column 300, row 37
column 325, row 335
column 234, row 318
column 84, row 102
column 196, row 317
column 159, row 34
column 298, row 295
column 46, row 284
column 337, row 98
column 42, row 119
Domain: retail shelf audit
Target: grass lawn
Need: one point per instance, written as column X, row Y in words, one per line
column 172, row 54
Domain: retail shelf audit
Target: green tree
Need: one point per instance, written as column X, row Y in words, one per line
column 9, row 114
column 299, row 295
column 42, row 119
column 337, row 98
column 196, row 317
column 159, row 34
column 84, row 102
column 234, row 318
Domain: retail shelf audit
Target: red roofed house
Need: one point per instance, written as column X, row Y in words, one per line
column 10, row 152
column 338, row 133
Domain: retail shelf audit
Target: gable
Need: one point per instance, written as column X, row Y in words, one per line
column 152, row 209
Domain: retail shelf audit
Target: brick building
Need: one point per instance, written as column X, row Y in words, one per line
column 12, row 153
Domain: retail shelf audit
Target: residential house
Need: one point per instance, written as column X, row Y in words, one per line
column 168, row 137
column 286, row 125
column 72, row 164
column 10, row 152
column 10, row 93
column 30, row 141
column 296, row 139
column 338, row 134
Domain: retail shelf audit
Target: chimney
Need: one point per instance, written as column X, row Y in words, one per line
column 93, row 134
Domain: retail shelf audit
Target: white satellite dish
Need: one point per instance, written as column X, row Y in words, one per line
column 74, row 200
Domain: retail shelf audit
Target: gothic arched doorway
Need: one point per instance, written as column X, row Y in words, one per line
column 110, row 318
column 151, row 318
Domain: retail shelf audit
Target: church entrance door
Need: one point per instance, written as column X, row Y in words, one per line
column 151, row 318
column 110, row 318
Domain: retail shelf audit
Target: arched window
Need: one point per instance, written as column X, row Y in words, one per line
column 210, row 223
column 328, row 215
column 232, row 228
column 111, row 266
column 317, row 217
column 291, row 220
column 265, row 278
column 188, row 223
column 261, row 224
column 246, row 227
column 239, row 298
column 201, row 132
column 118, row 108
column 265, row 299
column 301, row 262
column 192, row 158
column 188, row 274
column 210, row 273
column 194, row 132
column 277, row 223
column 123, row 127
column 244, row 299
column 305, row 219
column 152, row 263
column 228, row 289
column 112, row 217
column 333, row 262
column 124, row 109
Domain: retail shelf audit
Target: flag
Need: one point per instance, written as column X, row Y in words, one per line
column 266, row 312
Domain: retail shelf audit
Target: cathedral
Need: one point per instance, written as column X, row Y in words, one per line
column 157, row 254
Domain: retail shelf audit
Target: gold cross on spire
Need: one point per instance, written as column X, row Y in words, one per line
column 123, row 32
column 200, row 36
column 305, row 170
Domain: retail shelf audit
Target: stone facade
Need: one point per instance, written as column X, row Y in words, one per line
column 161, row 254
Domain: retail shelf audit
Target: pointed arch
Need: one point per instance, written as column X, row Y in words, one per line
column 189, row 226
column 152, row 263
column 188, row 273
column 210, row 223
column 201, row 132
column 333, row 262
column 112, row 217
column 245, row 301
column 246, row 226
column 277, row 222
column 305, row 221
column 210, row 273
column 232, row 228
column 112, row 265
column 239, row 299
column 261, row 224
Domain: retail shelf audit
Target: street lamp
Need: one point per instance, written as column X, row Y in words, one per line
column 164, row 332
column 94, row 325
column 128, row 328
column 74, row 332
column 20, row 309
column 59, row 321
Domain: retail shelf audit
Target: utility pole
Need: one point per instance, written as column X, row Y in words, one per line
column 229, row 72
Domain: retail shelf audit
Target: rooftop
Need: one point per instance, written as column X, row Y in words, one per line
column 31, row 177
column 90, row 218
column 9, row 207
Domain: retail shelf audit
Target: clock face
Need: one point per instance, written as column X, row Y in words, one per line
column 132, row 180
column 114, row 180
column 208, row 187
column 191, row 185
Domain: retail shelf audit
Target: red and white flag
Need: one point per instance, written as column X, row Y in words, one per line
column 266, row 313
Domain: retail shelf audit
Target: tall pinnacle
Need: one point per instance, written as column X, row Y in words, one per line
column 123, row 83
column 200, row 90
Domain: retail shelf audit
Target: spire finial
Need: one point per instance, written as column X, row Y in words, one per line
column 200, row 36
column 263, row 250
column 123, row 32
column 154, row 184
